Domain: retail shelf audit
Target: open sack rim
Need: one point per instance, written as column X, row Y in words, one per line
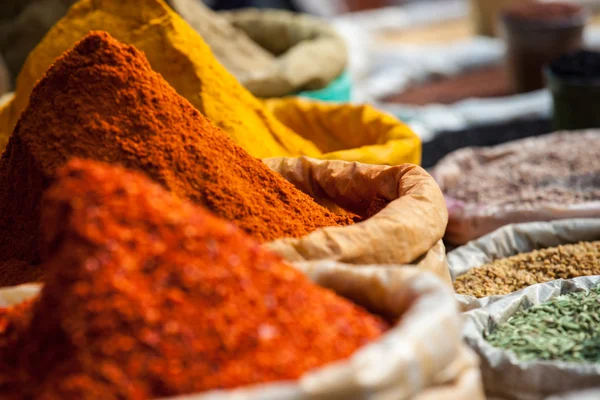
column 414, row 219
column 500, row 368
column 396, row 140
column 319, row 35
column 385, row 365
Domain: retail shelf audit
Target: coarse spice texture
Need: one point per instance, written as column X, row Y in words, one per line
column 102, row 101
column 507, row 275
column 562, row 329
column 176, row 52
column 553, row 169
column 147, row 296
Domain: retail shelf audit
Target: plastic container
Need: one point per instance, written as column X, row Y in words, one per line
column 574, row 81
column 338, row 91
column 537, row 34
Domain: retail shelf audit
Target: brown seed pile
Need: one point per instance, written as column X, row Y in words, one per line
column 558, row 169
column 510, row 274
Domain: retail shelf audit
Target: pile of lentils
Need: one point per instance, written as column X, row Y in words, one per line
column 558, row 168
column 562, row 329
column 507, row 275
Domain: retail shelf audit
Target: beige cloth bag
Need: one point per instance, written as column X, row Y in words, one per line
column 233, row 48
column 310, row 53
column 504, row 375
column 23, row 23
column 403, row 232
column 422, row 357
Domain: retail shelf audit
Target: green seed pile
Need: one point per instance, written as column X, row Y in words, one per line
column 507, row 275
column 567, row 328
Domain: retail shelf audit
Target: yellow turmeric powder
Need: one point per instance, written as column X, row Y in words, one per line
column 180, row 55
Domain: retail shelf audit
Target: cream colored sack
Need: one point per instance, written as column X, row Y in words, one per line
column 504, row 375
column 422, row 357
column 310, row 53
column 232, row 47
column 406, row 229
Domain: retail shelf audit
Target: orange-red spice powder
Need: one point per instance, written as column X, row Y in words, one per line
column 101, row 100
column 147, row 296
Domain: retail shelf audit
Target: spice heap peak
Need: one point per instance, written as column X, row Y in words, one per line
column 148, row 295
column 101, row 100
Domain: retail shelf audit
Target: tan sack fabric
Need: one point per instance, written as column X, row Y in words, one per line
column 422, row 357
column 4, row 78
column 514, row 239
column 411, row 224
column 504, row 376
column 310, row 53
column 23, row 23
column 232, row 47
column 468, row 221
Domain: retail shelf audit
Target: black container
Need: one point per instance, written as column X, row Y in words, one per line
column 576, row 97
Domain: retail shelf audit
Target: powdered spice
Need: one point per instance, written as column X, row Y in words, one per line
column 148, row 296
column 102, row 101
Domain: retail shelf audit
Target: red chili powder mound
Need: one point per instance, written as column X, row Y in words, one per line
column 100, row 100
column 148, row 295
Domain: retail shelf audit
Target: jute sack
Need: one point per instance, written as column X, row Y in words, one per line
column 468, row 221
column 504, row 376
column 514, row 239
column 403, row 232
column 4, row 78
column 310, row 53
column 422, row 357
column 23, row 23
column 232, row 47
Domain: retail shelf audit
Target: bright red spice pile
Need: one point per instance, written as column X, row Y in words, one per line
column 148, row 295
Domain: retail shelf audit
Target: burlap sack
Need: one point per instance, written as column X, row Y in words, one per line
column 514, row 239
column 23, row 23
column 232, row 47
column 310, row 54
column 406, row 229
column 4, row 78
column 504, row 376
column 422, row 357
column 470, row 221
